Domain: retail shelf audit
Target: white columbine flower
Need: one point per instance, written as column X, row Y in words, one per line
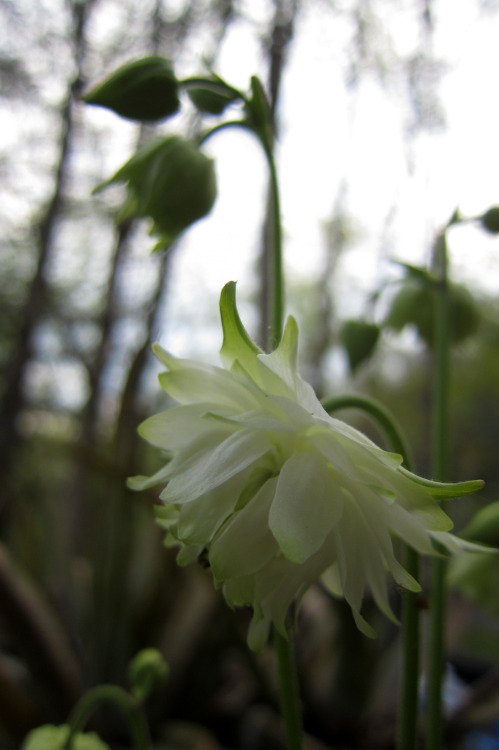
column 274, row 492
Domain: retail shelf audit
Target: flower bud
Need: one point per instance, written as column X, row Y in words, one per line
column 145, row 671
column 210, row 100
column 144, row 90
column 490, row 220
column 413, row 305
column 358, row 337
column 170, row 181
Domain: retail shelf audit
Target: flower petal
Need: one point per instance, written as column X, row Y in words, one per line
column 237, row 345
column 211, row 468
column 173, row 429
column 306, row 506
column 246, row 543
column 198, row 521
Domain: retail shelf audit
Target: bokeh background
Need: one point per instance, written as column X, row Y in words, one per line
column 386, row 118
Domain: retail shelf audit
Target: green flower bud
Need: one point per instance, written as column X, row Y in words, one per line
column 490, row 220
column 359, row 338
column 170, row 181
column 145, row 671
column 212, row 101
column 413, row 305
column 50, row 737
column 144, row 90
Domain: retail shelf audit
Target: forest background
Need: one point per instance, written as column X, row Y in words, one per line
column 386, row 123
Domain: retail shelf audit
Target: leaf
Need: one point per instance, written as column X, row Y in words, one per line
column 50, row 737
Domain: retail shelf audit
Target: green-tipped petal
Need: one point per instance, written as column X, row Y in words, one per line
column 445, row 490
column 237, row 345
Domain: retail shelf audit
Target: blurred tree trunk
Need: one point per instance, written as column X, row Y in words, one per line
column 36, row 296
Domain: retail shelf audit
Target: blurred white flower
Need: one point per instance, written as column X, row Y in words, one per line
column 275, row 493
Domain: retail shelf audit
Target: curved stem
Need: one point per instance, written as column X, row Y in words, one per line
column 408, row 717
column 380, row 414
column 222, row 126
column 290, row 708
column 276, row 287
column 123, row 700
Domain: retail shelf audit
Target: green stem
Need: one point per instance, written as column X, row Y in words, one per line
column 408, row 716
column 276, row 286
column 288, row 682
column 276, row 290
column 380, row 414
column 222, row 126
column 436, row 656
column 123, row 700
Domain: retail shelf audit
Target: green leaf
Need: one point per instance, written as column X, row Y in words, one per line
column 50, row 737
column 484, row 526
column 359, row 339
column 477, row 575
column 144, row 90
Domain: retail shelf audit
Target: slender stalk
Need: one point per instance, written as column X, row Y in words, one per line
column 130, row 708
column 276, row 270
column 409, row 699
column 408, row 714
column 276, row 287
column 439, row 470
column 380, row 414
column 290, row 708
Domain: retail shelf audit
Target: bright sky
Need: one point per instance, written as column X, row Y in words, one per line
column 399, row 192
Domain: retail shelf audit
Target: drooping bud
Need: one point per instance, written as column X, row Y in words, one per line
column 358, row 338
column 212, row 99
column 490, row 220
column 171, row 181
column 144, row 90
column 413, row 305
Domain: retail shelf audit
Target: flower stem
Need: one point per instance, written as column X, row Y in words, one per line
column 288, row 684
column 276, row 286
column 276, row 270
column 408, row 716
column 123, row 700
column 380, row 414
column 439, row 467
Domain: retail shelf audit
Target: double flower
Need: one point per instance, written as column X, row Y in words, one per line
column 275, row 493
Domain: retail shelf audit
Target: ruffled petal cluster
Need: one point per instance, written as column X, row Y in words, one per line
column 274, row 493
